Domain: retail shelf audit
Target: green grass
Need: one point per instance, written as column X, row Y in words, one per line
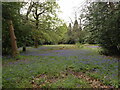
column 19, row 72
column 70, row 82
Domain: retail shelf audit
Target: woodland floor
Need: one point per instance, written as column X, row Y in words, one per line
column 61, row 66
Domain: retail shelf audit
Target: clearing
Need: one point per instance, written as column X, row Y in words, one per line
column 60, row 66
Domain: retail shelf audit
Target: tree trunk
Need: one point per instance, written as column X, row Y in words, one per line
column 24, row 47
column 36, row 39
column 13, row 39
column 36, row 43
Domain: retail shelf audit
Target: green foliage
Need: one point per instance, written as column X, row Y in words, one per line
column 102, row 23
column 10, row 11
column 79, row 45
column 24, row 33
column 75, row 34
column 82, row 36
column 50, row 29
column 61, row 32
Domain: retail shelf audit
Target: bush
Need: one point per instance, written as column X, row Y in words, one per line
column 79, row 45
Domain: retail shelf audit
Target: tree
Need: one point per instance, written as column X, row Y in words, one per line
column 76, row 32
column 38, row 10
column 13, row 39
column 10, row 12
column 22, row 27
column 61, row 33
column 103, row 23
column 69, row 34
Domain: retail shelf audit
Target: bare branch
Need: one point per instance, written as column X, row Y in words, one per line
column 34, row 15
column 71, row 20
column 41, row 12
column 29, row 9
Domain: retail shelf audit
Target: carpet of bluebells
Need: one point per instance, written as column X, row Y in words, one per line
column 53, row 60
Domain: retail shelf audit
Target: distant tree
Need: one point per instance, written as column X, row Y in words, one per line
column 61, row 33
column 69, row 34
column 76, row 32
column 69, row 29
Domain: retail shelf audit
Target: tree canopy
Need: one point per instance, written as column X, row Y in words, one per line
column 102, row 22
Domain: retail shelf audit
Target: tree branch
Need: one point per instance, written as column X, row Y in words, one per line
column 29, row 9
column 34, row 15
column 41, row 12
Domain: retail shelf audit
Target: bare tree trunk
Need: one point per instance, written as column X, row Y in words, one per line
column 36, row 39
column 24, row 47
column 36, row 43
column 13, row 39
